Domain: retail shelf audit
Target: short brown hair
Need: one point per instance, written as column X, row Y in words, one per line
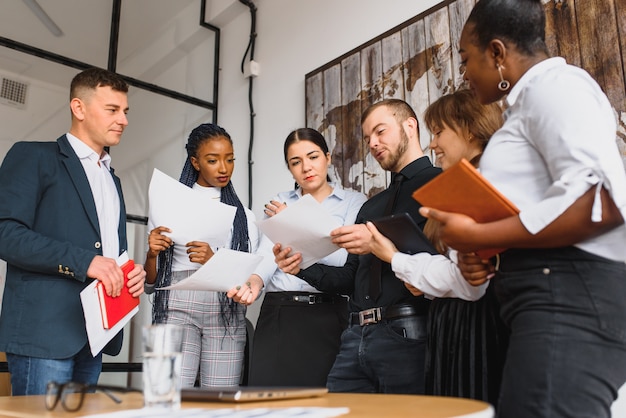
column 463, row 113
column 92, row 78
column 400, row 109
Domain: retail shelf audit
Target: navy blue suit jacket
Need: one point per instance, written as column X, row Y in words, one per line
column 49, row 234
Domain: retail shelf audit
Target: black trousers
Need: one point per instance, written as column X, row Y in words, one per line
column 295, row 342
column 567, row 351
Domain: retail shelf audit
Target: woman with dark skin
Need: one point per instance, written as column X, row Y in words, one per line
column 562, row 281
column 214, row 327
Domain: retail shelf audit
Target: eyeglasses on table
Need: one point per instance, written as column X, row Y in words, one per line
column 72, row 394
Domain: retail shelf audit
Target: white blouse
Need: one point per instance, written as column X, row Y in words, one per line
column 435, row 275
column 558, row 141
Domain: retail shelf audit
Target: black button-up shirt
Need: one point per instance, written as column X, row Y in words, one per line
column 353, row 278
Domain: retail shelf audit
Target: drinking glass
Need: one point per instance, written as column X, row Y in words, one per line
column 162, row 363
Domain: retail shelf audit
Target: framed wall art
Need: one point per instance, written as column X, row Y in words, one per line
column 418, row 61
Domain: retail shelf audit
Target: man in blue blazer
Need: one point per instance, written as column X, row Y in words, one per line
column 62, row 225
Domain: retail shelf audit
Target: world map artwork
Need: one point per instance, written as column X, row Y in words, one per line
column 418, row 62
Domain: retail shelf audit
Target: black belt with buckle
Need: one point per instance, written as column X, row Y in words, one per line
column 277, row 298
column 312, row 299
column 375, row 315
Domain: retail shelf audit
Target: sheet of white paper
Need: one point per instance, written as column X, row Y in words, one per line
column 225, row 270
column 295, row 412
column 97, row 335
column 170, row 202
column 305, row 227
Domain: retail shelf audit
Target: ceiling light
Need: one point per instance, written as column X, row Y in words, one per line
column 43, row 16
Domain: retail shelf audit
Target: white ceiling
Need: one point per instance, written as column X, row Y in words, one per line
column 159, row 40
column 86, row 29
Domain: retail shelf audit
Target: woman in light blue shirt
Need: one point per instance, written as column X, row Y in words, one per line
column 298, row 331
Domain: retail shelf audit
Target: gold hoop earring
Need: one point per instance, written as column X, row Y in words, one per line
column 503, row 85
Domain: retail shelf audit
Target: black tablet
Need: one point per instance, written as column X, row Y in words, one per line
column 402, row 230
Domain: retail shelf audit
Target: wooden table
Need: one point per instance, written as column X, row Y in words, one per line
column 361, row 405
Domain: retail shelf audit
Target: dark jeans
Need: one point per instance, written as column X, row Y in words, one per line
column 30, row 375
column 567, row 352
column 387, row 357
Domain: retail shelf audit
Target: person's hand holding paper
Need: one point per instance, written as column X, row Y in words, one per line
column 169, row 198
column 225, row 270
column 304, row 227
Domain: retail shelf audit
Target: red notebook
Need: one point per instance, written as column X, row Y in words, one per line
column 115, row 308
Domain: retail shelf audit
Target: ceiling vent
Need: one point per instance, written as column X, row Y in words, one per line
column 13, row 93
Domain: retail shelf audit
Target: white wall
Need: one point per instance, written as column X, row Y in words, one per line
column 294, row 38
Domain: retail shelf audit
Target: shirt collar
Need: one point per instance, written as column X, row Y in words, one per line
column 339, row 192
column 537, row 69
column 413, row 168
column 83, row 151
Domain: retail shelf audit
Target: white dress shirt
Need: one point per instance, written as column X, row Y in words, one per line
column 558, row 140
column 436, row 275
column 107, row 200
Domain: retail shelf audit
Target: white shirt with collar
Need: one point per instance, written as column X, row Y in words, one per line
column 558, row 140
column 107, row 200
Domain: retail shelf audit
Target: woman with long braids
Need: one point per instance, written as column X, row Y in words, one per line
column 214, row 322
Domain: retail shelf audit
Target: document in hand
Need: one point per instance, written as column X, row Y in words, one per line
column 170, row 200
column 99, row 336
column 115, row 308
column 225, row 270
column 305, row 227
column 462, row 189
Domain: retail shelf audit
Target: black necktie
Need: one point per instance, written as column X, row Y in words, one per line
column 375, row 269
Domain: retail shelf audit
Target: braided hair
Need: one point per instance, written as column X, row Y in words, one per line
column 240, row 239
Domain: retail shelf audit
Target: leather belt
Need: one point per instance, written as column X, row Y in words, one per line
column 275, row 298
column 311, row 299
column 375, row 315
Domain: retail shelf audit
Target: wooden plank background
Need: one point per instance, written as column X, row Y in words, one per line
column 418, row 61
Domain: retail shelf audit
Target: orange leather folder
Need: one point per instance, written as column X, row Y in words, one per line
column 462, row 189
